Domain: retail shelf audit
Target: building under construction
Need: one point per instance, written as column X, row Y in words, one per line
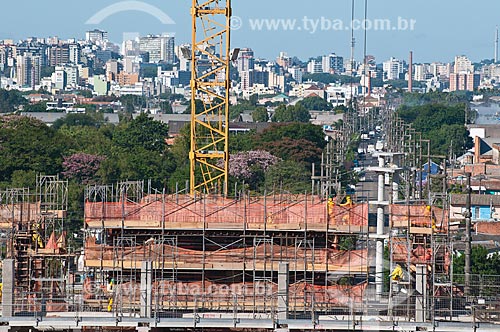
column 277, row 261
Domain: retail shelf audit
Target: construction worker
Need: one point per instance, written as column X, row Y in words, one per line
column 331, row 204
column 36, row 238
column 109, row 287
column 348, row 202
column 397, row 273
column 110, row 304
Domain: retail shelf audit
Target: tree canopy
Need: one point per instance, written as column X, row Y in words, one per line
column 316, row 103
column 442, row 124
column 291, row 113
column 301, row 142
column 10, row 100
column 29, row 145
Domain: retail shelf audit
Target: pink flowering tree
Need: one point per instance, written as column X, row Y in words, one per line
column 251, row 166
column 82, row 167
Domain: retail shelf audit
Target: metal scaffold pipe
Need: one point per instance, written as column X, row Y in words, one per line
column 379, row 259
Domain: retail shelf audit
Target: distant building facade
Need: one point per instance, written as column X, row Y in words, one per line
column 28, row 68
column 160, row 48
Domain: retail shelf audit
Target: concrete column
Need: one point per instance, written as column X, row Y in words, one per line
column 421, row 293
column 283, row 291
column 146, row 289
column 395, row 187
column 8, row 279
column 379, row 258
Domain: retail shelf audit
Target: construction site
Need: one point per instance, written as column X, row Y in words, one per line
column 153, row 260
column 202, row 258
column 322, row 260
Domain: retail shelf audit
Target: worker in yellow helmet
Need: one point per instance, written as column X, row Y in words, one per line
column 35, row 237
column 397, row 273
column 348, row 202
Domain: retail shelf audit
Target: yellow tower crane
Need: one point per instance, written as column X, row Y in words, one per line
column 210, row 85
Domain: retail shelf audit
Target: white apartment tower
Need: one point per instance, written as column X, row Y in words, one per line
column 96, row 36
column 393, row 68
column 463, row 65
column 314, row 67
column 333, row 64
column 160, row 48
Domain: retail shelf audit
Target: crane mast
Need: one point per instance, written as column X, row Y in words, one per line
column 210, row 84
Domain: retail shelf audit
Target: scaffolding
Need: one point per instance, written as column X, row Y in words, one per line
column 33, row 224
column 152, row 255
column 206, row 252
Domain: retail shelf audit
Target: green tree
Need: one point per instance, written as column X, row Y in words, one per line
column 305, row 131
column 36, row 108
column 23, row 179
column 316, row 104
column 181, row 147
column 260, row 115
column 253, row 100
column 47, row 71
column 86, row 93
column 166, row 107
column 289, row 175
column 480, row 263
column 142, row 132
column 297, row 113
column 132, row 103
column 298, row 150
column 10, row 100
column 282, row 114
column 301, row 142
column 200, row 107
column 441, row 123
column 89, row 139
column 241, row 142
column 29, row 145
column 76, row 119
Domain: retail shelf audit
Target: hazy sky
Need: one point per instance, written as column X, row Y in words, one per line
column 443, row 28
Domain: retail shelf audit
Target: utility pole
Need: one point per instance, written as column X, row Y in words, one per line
column 468, row 249
column 496, row 45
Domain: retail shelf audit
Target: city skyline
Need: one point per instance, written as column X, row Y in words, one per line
column 436, row 36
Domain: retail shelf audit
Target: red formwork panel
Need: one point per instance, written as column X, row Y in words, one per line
column 181, row 294
column 423, row 216
column 300, row 257
column 213, row 212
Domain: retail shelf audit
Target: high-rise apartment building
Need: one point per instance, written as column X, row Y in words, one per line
column 333, row 64
column 245, row 60
column 314, row 67
column 246, row 79
column 96, row 36
column 296, row 73
column 393, row 68
column 463, row 65
column 28, row 69
column 464, row 81
column 59, row 55
column 160, row 48
column 284, row 60
column 74, row 54
column 4, row 56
